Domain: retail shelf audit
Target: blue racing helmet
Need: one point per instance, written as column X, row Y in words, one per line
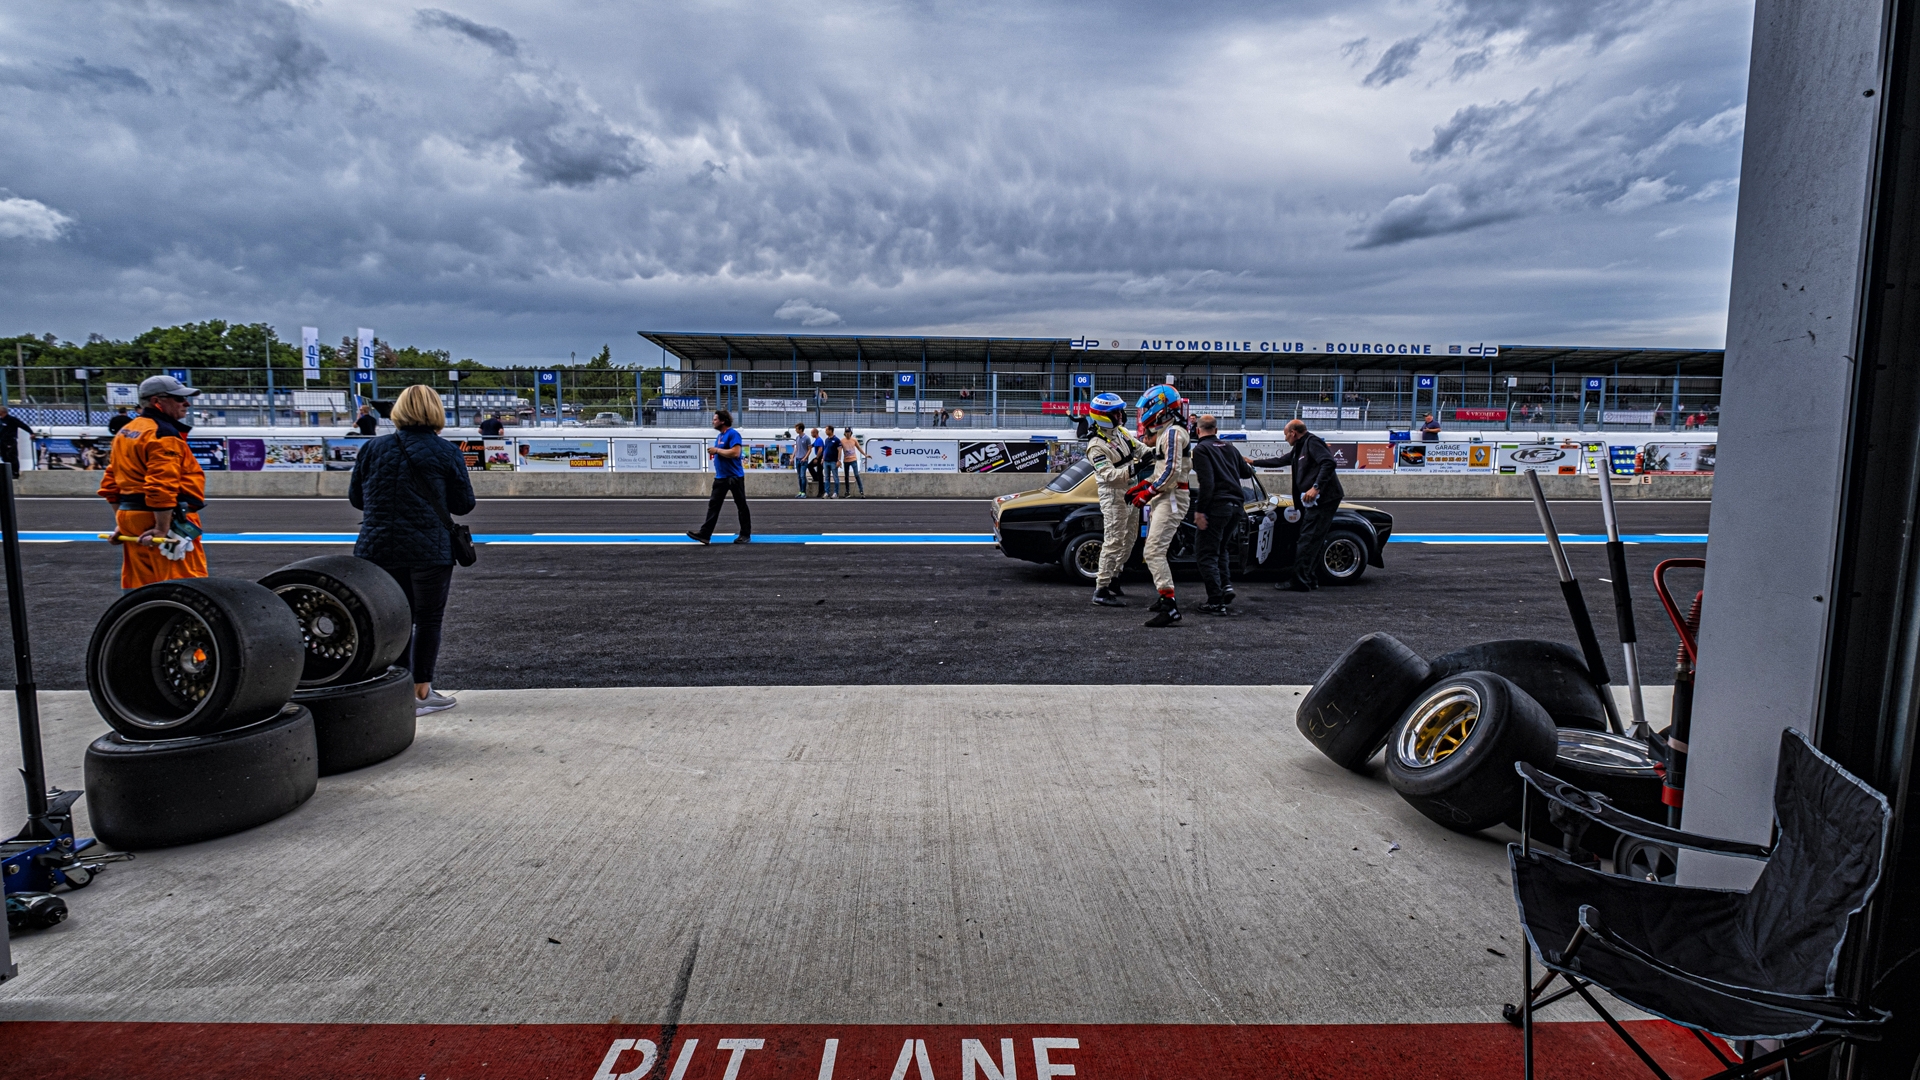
column 1159, row 405
column 1107, row 410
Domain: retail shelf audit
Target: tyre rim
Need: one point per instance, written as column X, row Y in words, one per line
column 183, row 664
column 1341, row 558
column 1087, row 558
column 1439, row 726
column 1650, row 862
column 326, row 628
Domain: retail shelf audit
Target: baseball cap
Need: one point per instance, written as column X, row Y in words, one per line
column 165, row 386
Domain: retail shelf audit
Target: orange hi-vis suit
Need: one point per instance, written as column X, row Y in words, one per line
column 153, row 469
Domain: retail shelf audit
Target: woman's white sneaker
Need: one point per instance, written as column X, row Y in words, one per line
column 434, row 702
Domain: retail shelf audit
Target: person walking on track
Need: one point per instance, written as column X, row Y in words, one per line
column 729, row 477
column 1115, row 454
column 157, row 489
column 1316, row 494
column 1163, row 424
column 401, row 483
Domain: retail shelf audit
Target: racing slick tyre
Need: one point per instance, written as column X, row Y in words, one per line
column 357, row 725
column 1552, row 674
column 1452, row 754
column 1622, row 769
column 1344, row 559
column 1081, row 558
column 144, row 794
column 193, row 656
column 1349, row 712
column 354, row 619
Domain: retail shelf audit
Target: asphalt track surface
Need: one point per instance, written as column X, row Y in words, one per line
column 540, row 615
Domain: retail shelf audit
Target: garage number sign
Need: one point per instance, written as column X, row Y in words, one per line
column 729, row 378
column 1083, row 380
column 1596, row 384
column 548, row 378
column 1256, row 382
column 1424, row 382
column 906, row 378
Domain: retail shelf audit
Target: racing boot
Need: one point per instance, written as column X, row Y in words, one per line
column 1107, row 596
column 1166, row 612
column 1114, row 588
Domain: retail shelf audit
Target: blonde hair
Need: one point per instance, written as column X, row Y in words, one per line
column 419, row 406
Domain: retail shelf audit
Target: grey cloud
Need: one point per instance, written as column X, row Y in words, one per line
column 241, row 48
column 1396, row 63
column 76, row 74
column 1543, row 23
column 1472, row 126
column 1469, row 62
column 492, row 37
column 807, row 313
column 1438, row 211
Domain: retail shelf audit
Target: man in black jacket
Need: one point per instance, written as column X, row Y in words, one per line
column 1316, row 494
column 1219, row 511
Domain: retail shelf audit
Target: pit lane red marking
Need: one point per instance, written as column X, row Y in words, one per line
column 138, row 1051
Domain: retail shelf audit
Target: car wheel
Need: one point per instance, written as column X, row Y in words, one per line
column 1621, row 769
column 1081, row 558
column 1352, row 707
column 354, row 619
column 1344, row 560
column 144, row 794
column 363, row 723
column 193, row 656
column 1451, row 756
column 1646, row 860
column 1552, row 673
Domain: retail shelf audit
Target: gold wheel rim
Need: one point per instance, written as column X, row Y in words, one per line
column 1440, row 725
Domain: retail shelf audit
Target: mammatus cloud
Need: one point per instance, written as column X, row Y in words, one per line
column 26, row 219
column 807, row 313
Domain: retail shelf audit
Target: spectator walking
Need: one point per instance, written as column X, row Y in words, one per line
column 404, row 484
column 830, row 462
column 1219, row 511
column 850, row 454
column 118, row 420
column 729, row 476
column 368, row 423
column 1429, row 431
column 802, row 454
column 12, row 427
column 493, row 427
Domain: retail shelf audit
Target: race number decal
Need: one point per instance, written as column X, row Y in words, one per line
column 1263, row 545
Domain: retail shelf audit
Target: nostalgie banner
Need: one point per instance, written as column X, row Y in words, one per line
column 980, row 457
column 913, row 456
column 561, row 455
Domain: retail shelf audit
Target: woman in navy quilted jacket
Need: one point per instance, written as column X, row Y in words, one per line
column 398, row 480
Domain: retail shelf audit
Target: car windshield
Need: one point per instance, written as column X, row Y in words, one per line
column 1070, row 479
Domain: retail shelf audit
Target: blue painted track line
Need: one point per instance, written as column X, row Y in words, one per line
column 855, row 539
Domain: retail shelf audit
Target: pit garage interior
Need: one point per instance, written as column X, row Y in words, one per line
column 730, row 883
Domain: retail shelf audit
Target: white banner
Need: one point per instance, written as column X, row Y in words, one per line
column 1541, row 458
column 1328, row 412
column 366, row 348
column 320, row 401
column 1625, row 416
column 630, row 455
column 122, row 393
column 913, row 456
column 295, row 455
column 760, row 404
column 670, row 455
column 1679, row 457
column 907, row 405
column 309, row 352
column 1458, row 457
column 1269, row 343
column 560, row 455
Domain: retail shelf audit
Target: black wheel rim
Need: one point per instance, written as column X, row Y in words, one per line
column 327, row 630
column 1650, row 862
column 1341, row 558
column 160, row 660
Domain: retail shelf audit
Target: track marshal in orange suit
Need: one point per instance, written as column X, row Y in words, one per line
column 154, row 482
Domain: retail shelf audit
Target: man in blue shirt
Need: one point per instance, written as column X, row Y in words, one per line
column 729, row 475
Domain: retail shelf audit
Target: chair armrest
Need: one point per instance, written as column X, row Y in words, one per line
column 1838, row 1010
column 1583, row 803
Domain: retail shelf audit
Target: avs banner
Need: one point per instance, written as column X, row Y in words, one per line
column 980, row 457
column 913, row 456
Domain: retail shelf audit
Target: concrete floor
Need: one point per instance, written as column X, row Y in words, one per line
column 812, row 854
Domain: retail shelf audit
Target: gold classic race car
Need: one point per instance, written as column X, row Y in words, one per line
column 1060, row 523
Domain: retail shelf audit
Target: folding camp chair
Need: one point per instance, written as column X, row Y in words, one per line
column 1742, row 966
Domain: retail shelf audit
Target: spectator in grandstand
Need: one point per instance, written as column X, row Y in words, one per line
column 1430, row 430
column 118, row 420
column 11, row 428
column 368, row 423
column 850, row 454
column 493, row 427
column 802, row 454
column 729, row 477
column 830, row 462
column 404, row 484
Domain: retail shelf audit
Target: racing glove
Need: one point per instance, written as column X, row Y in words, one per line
column 1142, row 493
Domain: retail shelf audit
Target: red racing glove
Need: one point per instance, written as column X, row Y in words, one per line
column 1142, row 493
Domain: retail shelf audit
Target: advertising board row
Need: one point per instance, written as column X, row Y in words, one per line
column 1569, row 457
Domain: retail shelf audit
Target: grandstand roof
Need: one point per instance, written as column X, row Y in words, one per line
column 760, row 352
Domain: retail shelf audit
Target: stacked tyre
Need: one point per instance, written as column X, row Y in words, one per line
column 1454, row 726
column 354, row 626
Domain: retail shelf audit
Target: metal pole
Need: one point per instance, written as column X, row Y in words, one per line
column 1576, row 606
column 1673, row 415
column 26, row 699
column 1622, row 598
column 20, row 358
column 86, row 400
column 1339, row 398
column 268, row 346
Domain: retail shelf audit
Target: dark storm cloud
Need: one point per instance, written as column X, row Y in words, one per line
column 499, row 177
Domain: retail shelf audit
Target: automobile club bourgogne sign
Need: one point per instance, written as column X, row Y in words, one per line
column 1165, row 343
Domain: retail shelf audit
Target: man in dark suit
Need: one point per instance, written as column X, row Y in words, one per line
column 1316, row 494
column 1219, row 511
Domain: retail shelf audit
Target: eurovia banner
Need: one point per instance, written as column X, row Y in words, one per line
column 913, row 456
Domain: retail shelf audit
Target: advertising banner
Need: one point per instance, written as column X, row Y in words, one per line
column 472, row 451
column 1562, row 460
column 915, row 456
column 979, row 457
column 1625, row 416
column 210, row 453
column 1251, row 450
column 630, row 455
column 1457, row 457
column 1328, row 412
column 123, row 393
column 309, row 352
column 1061, row 456
column 1411, row 456
column 86, row 452
column 673, row 455
column 761, row 404
column 246, row 455
column 682, row 404
column 499, row 454
column 1484, row 416
column 768, row 455
column 342, row 453
column 561, row 455
column 1343, row 454
column 1625, row 460
column 907, row 405
column 294, row 455
column 1678, row 457
column 1374, row 456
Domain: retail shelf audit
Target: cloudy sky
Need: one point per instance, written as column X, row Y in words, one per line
column 514, row 180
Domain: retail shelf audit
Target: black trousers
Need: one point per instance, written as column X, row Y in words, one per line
column 721, row 486
column 426, row 588
column 1224, row 522
column 1314, row 524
